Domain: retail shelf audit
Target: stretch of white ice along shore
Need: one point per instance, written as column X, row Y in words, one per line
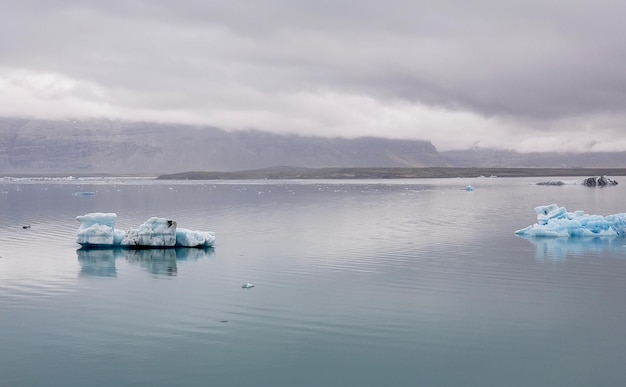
column 555, row 221
column 97, row 229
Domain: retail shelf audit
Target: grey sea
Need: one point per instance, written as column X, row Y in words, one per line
column 357, row 283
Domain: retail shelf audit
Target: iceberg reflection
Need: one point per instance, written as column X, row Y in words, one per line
column 558, row 249
column 155, row 261
column 193, row 254
column 100, row 262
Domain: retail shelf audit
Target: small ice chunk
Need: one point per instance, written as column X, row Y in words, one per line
column 469, row 188
column 247, row 285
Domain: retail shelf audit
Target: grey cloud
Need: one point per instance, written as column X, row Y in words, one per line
column 522, row 61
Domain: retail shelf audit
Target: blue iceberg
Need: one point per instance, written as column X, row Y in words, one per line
column 98, row 230
column 555, row 221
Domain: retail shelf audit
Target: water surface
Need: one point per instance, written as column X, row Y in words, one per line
column 390, row 282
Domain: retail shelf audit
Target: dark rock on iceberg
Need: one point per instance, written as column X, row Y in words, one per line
column 594, row 181
column 552, row 182
column 600, row 181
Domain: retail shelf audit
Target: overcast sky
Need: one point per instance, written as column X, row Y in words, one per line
column 518, row 74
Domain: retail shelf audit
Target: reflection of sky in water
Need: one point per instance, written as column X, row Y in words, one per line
column 558, row 249
column 415, row 280
column 101, row 262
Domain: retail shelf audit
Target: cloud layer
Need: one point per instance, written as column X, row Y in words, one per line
column 523, row 75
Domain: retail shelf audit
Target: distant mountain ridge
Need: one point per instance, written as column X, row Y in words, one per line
column 592, row 175
column 31, row 146
column 104, row 146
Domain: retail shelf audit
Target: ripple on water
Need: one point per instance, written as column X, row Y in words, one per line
column 375, row 275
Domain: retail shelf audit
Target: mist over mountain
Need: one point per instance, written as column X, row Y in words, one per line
column 29, row 146
column 512, row 159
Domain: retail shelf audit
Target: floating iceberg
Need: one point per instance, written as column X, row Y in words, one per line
column 600, row 181
column 593, row 181
column 98, row 230
column 555, row 221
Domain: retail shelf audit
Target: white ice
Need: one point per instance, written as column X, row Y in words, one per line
column 555, row 221
column 98, row 229
column 195, row 238
column 154, row 232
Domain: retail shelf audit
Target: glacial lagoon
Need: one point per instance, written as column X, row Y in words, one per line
column 359, row 282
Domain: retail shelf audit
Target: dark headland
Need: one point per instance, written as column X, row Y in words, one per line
column 390, row 173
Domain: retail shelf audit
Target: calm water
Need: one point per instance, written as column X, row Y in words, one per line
column 359, row 283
